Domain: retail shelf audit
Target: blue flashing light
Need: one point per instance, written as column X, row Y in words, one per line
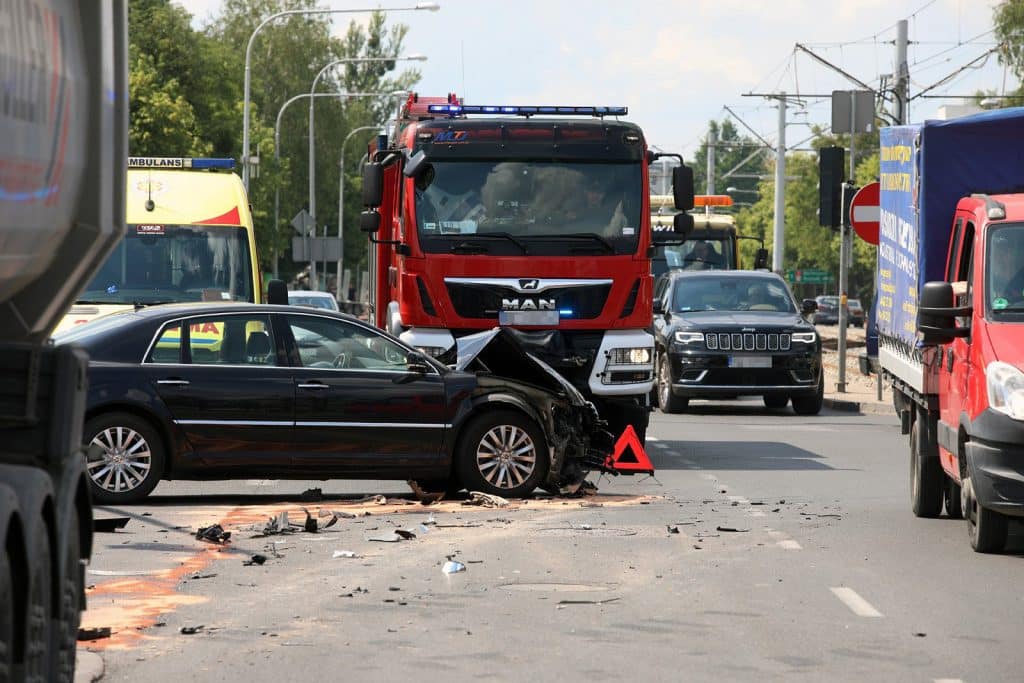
column 565, row 312
column 213, row 163
column 458, row 109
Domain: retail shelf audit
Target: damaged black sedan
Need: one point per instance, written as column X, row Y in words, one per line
column 233, row 391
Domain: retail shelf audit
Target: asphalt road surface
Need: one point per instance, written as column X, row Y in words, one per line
column 796, row 557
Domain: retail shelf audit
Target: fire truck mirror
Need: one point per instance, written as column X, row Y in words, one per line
column 373, row 184
column 415, row 165
column 682, row 187
column 369, row 222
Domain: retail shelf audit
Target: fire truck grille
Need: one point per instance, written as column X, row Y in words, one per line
column 747, row 341
column 485, row 301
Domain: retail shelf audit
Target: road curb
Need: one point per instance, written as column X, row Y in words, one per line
column 89, row 666
column 848, row 406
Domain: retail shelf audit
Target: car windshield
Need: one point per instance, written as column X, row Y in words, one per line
column 731, row 294
column 1004, row 280
column 516, row 207
column 694, row 254
column 156, row 264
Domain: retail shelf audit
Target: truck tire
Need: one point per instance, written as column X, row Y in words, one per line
column 986, row 529
column 125, row 458
column 952, row 500
column 925, row 478
column 35, row 666
column 668, row 402
column 502, row 452
column 6, row 618
column 65, row 628
column 810, row 404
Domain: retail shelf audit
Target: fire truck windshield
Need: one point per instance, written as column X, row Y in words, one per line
column 552, row 207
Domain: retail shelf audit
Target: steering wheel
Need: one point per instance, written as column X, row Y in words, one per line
column 341, row 360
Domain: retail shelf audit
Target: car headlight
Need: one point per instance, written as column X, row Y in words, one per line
column 1005, row 389
column 690, row 337
column 635, row 356
column 804, row 337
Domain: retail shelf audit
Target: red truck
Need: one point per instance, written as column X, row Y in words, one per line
column 532, row 218
column 950, row 314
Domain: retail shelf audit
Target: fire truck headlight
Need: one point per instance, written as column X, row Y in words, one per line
column 1005, row 389
column 635, row 356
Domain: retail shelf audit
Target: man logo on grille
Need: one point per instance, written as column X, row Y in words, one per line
column 529, row 284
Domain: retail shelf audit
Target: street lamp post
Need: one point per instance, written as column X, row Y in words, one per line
column 428, row 6
column 277, row 154
column 312, row 128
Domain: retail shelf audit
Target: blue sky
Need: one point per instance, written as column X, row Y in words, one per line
column 677, row 63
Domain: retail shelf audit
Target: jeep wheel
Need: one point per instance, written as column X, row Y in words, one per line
column 667, row 401
column 810, row 404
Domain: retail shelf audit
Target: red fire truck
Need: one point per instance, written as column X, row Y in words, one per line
column 532, row 218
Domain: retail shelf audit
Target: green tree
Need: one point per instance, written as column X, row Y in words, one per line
column 739, row 154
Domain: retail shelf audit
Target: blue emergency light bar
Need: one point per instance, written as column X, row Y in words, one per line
column 179, row 163
column 460, row 109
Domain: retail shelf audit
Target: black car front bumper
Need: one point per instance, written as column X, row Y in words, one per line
column 995, row 458
column 710, row 374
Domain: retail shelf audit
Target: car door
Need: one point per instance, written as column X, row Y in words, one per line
column 230, row 392
column 955, row 365
column 358, row 407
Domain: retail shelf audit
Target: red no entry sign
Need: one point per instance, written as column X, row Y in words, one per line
column 865, row 213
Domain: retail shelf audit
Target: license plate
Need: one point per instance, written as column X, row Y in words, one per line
column 547, row 318
column 750, row 361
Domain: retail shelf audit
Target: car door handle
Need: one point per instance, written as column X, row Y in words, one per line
column 312, row 385
column 174, row 382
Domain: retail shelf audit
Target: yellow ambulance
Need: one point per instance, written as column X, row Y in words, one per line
column 189, row 237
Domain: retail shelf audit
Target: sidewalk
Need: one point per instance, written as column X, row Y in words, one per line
column 861, row 395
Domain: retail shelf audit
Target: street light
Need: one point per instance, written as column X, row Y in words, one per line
column 312, row 135
column 428, row 6
column 731, row 190
column 277, row 149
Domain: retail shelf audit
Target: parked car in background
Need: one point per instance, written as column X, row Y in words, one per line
column 324, row 300
column 735, row 333
column 211, row 391
column 855, row 314
column 828, row 311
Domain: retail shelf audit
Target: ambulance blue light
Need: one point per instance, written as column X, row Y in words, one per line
column 458, row 109
column 213, row 163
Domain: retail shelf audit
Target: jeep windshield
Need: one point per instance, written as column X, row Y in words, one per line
column 552, row 208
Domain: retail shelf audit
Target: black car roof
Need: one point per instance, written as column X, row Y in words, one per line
column 204, row 308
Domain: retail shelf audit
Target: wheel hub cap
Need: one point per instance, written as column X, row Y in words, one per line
column 506, row 456
column 119, row 459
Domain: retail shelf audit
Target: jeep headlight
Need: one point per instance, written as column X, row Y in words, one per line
column 634, row 356
column 689, row 337
column 804, row 337
column 1005, row 389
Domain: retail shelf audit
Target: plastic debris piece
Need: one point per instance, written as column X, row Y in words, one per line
column 587, row 602
column 732, row 529
column 191, row 630
column 310, row 525
column 405, row 534
column 202, row 576
column 672, row 529
column 93, row 633
column 312, row 495
column 340, row 514
column 255, row 559
column 393, row 536
column 345, row 553
column 109, row 525
column 453, row 567
column 486, row 500
column 213, row 534
column 424, row 496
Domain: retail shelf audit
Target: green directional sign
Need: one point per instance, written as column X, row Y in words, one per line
column 809, row 276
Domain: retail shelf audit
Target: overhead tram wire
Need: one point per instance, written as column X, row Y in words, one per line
column 953, row 76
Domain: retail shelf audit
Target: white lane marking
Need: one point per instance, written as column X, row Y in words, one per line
column 662, row 446
column 653, row 438
column 739, row 499
column 948, row 680
column 755, row 513
column 709, row 477
column 261, row 482
column 857, row 604
column 783, row 540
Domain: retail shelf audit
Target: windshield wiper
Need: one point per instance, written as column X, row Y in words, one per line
column 493, row 235
column 593, row 236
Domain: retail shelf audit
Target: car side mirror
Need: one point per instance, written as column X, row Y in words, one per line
column 808, row 306
column 682, row 187
column 373, row 184
column 761, row 259
column 369, row 222
column 416, row 363
column 659, row 308
column 936, row 315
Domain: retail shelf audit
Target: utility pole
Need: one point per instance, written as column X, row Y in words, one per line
column 844, row 252
column 901, row 91
column 779, row 227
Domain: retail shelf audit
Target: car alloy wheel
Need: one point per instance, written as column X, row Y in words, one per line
column 506, row 456
column 123, row 459
column 502, row 452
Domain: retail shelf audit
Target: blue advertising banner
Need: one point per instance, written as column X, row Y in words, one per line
column 896, row 305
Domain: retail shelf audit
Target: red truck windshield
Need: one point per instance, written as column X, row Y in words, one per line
column 531, row 207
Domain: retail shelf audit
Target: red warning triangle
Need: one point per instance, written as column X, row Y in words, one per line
column 629, row 455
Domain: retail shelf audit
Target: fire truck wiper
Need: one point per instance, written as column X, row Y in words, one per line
column 592, row 236
column 493, row 235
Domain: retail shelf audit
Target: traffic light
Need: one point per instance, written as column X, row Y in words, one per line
column 831, row 162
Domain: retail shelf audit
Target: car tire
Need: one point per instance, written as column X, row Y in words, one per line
column 37, row 660
column 810, row 404
column 775, row 401
column 926, row 485
column 667, row 401
column 952, row 500
column 65, row 627
column 493, row 451
column 113, row 454
column 986, row 529
column 6, row 617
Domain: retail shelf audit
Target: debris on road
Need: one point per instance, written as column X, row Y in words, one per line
column 191, row 630
column 85, row 634
column 345, row 553
column 486, row 500
column 393, row 536
column 195, row 577
column 672, row 529
column 731, row 529
column 453, row 567
column 312, row 496
column 424, row 496
column 213, row 534
column 562, row 603
column 254, row 560
column 340, row 514
column 109, row 525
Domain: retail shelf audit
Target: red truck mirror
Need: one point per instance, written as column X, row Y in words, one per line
column 373, row 184
column 936, row 315
column 682, row 187
column 369, row 222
